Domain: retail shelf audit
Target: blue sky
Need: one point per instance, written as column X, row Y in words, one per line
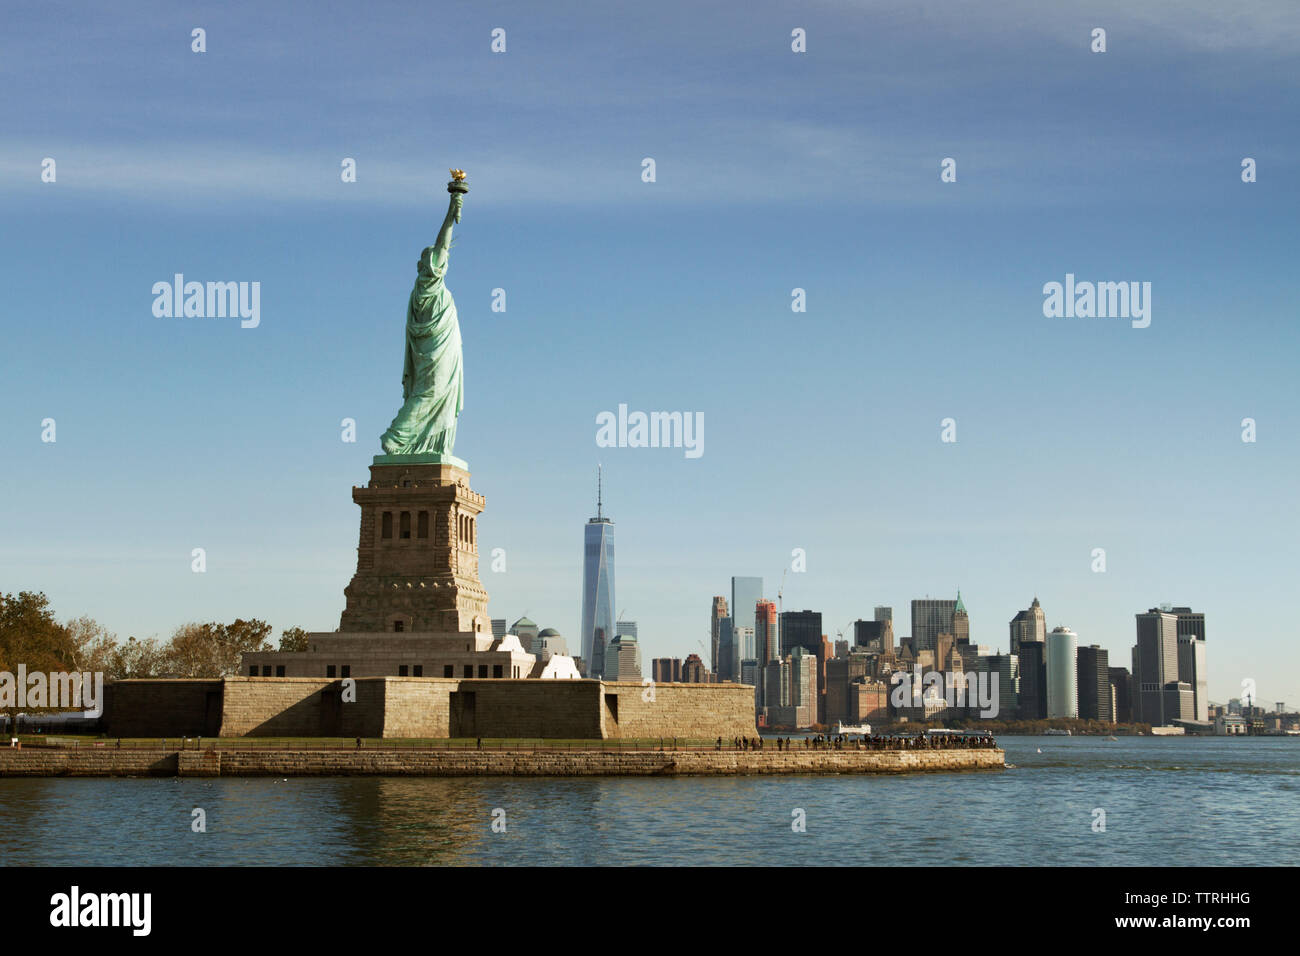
column 775, row 170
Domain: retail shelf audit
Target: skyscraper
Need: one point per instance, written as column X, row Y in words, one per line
column 930, row 618
column 1028, row 626
column 960, row 622
column 1189, row 622
column 1177, row 701
column 875, row 636
column 716, row 613
column 745, row 595
column 728, row 655
column 693, row 671
column 767, row 645
column 735, row 644
column 801, row 629
column 1093, row 669
column 825, row 652
column 1155, row 664
column 1005, row 668
column 791, row 690
column 666, row 670
column 1033, row 680
column 623, row 659
column 803, row 685
column 1062, row 673
column 1122, row 684
column 776, row 686
column 743, row 636
column 1191, row 658
column 1191, row 670
column 597, row 588
column 625, row 627
column 840, row 673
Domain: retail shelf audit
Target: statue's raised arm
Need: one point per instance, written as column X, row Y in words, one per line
column 433, row 265
column 432, row 389
column 453, row 207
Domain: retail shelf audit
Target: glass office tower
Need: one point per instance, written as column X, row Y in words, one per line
column 745, row 595
column 597, row 589
column 1062, row 673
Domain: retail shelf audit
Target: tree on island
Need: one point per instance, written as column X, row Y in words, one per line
column 30, row 636
column 93, row 646
column 293, row 639
column 136, row 659
column 213, row 650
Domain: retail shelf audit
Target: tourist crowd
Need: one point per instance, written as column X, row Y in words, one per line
column 883, row 742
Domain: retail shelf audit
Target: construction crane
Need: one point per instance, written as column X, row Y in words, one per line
column 840, row 634
column 780, row 610
column 707, row 655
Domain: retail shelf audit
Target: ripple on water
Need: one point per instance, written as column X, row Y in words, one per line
column 1236, row 803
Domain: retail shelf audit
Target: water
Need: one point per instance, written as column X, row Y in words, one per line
column 1168, row 801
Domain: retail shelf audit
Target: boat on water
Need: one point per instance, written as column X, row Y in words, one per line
column 1057, row 733
column 841, row 728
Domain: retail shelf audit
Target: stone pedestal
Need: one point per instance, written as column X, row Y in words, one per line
column 417, row 559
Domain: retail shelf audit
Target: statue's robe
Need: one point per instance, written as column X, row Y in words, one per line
column 432, row 383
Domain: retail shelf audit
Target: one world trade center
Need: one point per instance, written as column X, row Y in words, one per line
column 597, row 588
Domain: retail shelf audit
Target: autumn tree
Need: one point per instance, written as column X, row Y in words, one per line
column 293, row 639
column 136, row 659
column 31, row 637
column 213, row 650
column 92, row 645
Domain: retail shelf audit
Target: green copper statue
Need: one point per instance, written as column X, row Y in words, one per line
column 432, row 373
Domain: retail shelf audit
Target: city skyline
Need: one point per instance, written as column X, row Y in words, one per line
column 775, row 171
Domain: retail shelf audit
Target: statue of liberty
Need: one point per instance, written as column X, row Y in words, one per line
column 432, row 372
